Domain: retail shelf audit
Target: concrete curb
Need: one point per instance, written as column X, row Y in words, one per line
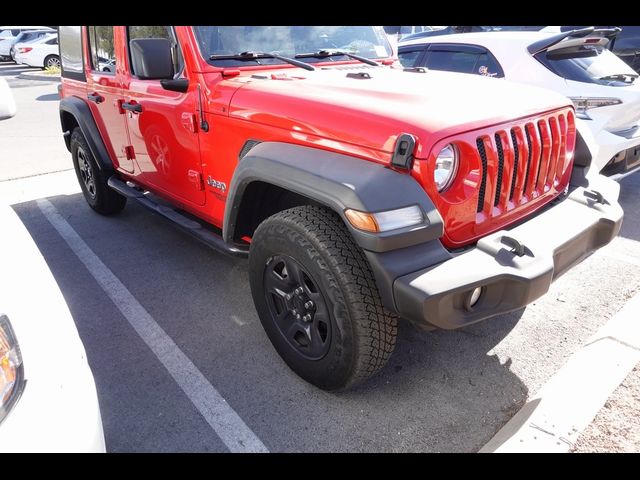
column 39, row 76
column 552, row 420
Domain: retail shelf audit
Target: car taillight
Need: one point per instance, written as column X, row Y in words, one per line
column 24, row 49
column 11, row 370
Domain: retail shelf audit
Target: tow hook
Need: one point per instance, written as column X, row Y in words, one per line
column 518, row 248
column 596, row 197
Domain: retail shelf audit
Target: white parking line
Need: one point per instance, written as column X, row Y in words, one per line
column 552, row 420
column 231, row 429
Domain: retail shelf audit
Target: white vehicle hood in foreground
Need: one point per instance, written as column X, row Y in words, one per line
column 58, row 410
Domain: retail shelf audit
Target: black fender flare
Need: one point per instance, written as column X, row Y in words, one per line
column 79, row 109
column 339, row 182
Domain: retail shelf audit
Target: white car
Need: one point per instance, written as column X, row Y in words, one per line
column 8, row 35
column 27, row 36
column 602, row 87
column 43, row 52
column 7, row 104
column 48, row 400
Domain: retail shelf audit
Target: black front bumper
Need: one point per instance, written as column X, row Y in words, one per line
column 553, row 242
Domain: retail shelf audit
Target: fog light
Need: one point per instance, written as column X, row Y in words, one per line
column 473, row 297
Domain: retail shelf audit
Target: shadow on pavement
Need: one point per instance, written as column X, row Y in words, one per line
column 441, row 391
column 630, row 199
column 48, row 97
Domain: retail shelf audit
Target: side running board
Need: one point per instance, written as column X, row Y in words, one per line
column 193, row 227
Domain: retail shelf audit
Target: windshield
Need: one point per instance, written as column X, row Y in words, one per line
column 368, row 42
column 590, row 64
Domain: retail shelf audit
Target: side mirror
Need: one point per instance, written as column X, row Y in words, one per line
column 151, row 58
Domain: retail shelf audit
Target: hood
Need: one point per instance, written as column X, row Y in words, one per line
column 371, row 106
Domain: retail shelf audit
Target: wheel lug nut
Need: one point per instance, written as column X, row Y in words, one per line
column 308, row 305
column 294, row 311
column 297, row 316
column 298, row 291
column 288, row 296
column 307, row 318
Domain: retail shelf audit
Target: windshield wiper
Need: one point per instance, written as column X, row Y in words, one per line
column 620, row 76
column 256, row 55
column 336, row 53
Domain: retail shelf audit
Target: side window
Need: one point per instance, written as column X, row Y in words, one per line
column 159, row 32
column 464, row 59
column 15, row 33
column 488, row 66
column 452, row 61
column 103, row 57
column 53, row 41
column 408, row 58
column 71, row 52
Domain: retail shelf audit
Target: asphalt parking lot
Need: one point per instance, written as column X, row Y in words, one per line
column 441, row 391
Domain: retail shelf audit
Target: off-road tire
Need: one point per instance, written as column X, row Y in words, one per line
column 362, row 332
column 98, row 195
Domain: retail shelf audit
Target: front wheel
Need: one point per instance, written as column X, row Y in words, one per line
column 317, row 299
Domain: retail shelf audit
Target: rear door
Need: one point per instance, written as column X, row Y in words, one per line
column 163, row 132
column 105, row 96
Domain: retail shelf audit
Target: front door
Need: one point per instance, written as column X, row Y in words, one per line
column 162, row 127
column 104, row 94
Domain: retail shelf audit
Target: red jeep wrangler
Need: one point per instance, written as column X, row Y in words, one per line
column 359, row 192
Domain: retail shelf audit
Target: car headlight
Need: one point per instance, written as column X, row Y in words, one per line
column 583, row 104
column 446, row 167
column 11, row 371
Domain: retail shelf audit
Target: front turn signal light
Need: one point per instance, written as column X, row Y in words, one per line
column 385, row 221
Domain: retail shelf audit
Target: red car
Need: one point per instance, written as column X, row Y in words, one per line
column 361, row 194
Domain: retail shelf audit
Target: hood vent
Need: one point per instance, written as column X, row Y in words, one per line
column 359, row 75
column 248, row 145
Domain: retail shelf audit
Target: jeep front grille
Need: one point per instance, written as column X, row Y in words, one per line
column 506, row 181
column 506, row 173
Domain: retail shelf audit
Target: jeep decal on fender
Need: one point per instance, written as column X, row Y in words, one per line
column 216, row 184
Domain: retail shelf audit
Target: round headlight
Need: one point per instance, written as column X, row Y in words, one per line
column 446, row 167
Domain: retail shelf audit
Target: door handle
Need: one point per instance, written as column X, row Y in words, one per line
column 132, row 107
column 94, row 97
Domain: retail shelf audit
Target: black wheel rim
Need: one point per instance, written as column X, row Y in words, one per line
column 297, row 307
column 86, row 173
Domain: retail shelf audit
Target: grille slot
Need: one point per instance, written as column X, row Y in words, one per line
column 541, row 158
column 500, row 169
column 483, row 182
column 516, row 158
column 526, row 175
